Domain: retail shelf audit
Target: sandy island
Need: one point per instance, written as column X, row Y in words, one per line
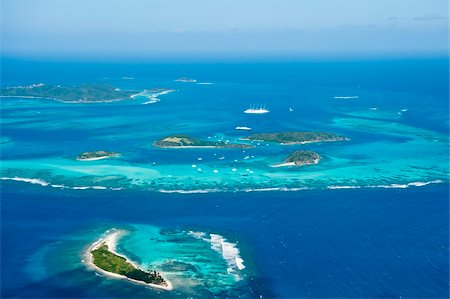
column 110, row 239
column 287, row 164
column 283, row 164
column 94, row 159
column 105, row 155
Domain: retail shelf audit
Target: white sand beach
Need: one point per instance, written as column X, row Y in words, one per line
column 110, row 239
column 283, row 164
column 316, row 161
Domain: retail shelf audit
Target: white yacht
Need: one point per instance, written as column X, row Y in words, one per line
column 256, row 110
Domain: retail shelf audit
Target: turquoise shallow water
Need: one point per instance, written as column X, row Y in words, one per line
column 190, row 259
column 398, row 136
column 197, row 263
column 384, row 235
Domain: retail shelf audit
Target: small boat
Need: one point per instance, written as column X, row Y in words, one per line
column 290, row 109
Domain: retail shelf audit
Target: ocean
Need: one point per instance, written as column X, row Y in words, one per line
column 369, row 221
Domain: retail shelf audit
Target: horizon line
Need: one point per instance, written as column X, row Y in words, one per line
column 227, row 58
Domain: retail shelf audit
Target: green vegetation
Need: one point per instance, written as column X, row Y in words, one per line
column 96, row 155
column 296, row 137
column 181, row 140
column 89, row 93
column 108, row 261
column 303, row 158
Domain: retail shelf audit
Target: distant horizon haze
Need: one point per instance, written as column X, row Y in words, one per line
column 195, row 30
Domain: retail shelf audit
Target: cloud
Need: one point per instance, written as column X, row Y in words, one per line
column 429, row 17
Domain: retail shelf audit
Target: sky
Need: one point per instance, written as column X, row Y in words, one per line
column 152, row 29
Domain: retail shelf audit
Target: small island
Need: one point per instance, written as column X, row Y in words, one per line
column 186, row 141
column 300, row 158
column 102, row 256
column 289, row 138
column 84, row 93
column 186, row 80
column 97, row 155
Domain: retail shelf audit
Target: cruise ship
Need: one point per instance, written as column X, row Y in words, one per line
column 256, row 110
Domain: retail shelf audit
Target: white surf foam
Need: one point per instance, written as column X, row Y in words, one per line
column 387, row 186
column 59, row 186
column 346, row 97
column 91, row 187
column 26, row 180
column 152, row 97
column 284, row 189
column 189, row 191
column 343, row 187
column 152, row 101
column 43, row 183
column 403, row 186
column 228, row 250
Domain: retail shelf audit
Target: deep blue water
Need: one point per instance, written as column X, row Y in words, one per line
column 357, row 243
column 385, row 243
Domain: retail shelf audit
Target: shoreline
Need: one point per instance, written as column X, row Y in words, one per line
column 206, row 146
column 110, row 239
column 97, row 158
column 314, row 141
column 283, row 164
column 80, row 101
column 294, row 164
column 189, row 146
column 296, row 142
column 151, row 94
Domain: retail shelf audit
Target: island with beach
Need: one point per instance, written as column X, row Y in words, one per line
column 290, row 138
column 84, row 93
column 300, row 158
column 97, row 155
column 103, row 257
column 186, row 141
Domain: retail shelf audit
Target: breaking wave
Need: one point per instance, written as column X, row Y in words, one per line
column 59, row 186
column 152, row 97
column 26, row 180
column 346, row 97
column 44, row 183
column 189, row 191
column 228, row 250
